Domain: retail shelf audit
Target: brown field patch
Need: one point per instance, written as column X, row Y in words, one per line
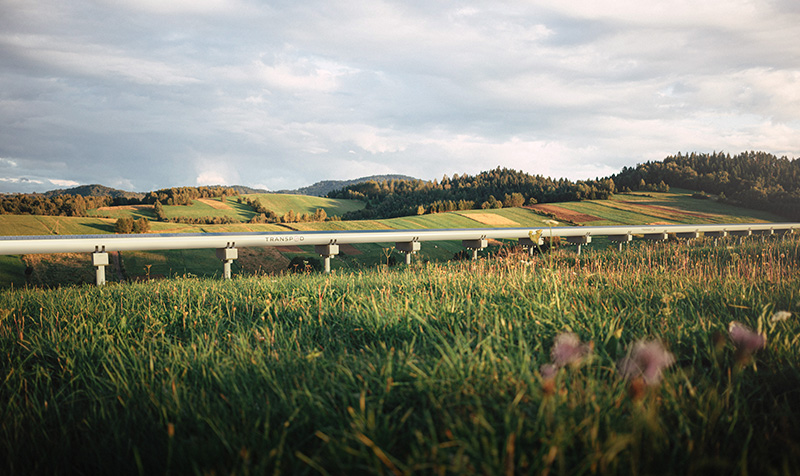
column 564, row 214
column 259, row 260
column 489, row 219
column 125, row 207
column 671, row 210
column 215, row 204
column 661, row 223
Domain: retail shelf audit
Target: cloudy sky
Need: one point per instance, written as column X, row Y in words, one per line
column 147, row 94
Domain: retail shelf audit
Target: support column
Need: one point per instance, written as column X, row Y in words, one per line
column 716, row 235
column 579, row 240
column 764, row 234
column 529, row 243
column 621, row 239
column 408, row 248
column 227, row 255
column 100, row 261
column 689, row 235
column 327, row 251
column 475, row 246
column 655, row 236
column 741, row 234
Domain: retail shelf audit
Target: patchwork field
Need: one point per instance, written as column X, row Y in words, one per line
column 651, row 208
column 280, row 203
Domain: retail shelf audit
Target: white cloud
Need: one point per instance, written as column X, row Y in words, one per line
column 19, row 180
column 146, row 94
column 64, row 183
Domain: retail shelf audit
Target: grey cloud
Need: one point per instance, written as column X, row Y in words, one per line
column 150, row 94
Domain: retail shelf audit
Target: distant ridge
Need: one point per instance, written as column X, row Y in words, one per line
column 242, row 189
column 321, row 189
column 93, row 190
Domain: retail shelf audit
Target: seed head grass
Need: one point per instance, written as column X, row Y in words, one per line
column 434, row 369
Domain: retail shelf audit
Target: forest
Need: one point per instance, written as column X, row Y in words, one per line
column 752, row 179
column 496, row 188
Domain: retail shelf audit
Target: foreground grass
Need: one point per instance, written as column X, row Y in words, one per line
column 429, row 370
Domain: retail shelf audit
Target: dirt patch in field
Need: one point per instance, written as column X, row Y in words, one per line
column 266, row 260
column 125, row 207
column 564, row 214
column 489, row 219
column 671, row 210
column 215, row 204
column 661, row 223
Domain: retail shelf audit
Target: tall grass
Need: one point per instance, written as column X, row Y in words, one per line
column 433, row 369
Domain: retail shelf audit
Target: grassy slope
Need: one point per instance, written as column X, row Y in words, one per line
column 202, row 262
column 280, row 203
column 618, row 210
column 425, row 370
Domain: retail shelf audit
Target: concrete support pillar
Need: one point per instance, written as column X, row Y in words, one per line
column 741, row 234
column 621, row 239
column 655, row 236
column 529, row 243
column 408, row 248
column 715, row 235
column 689, row 235
column 327, row 252
column 100, row 261
column 475, row 246
column 579, row 240
column 227, row 255
column 764, row 234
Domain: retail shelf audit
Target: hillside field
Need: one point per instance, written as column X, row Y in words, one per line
column 640, row 362
column 638, row 208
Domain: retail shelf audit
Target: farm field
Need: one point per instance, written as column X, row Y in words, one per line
column 673, row 207
column 520, row 365
column 280, row 203
column 214, row 207
column 658, row 208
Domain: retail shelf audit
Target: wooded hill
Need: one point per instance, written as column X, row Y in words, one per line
column 750, row 179
column 492, row 189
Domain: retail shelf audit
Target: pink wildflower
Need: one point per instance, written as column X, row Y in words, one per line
column 567, row 349
column 646, row 360
column 548, row 371
column 745, row 339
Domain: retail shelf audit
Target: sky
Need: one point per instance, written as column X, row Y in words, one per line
column 148, row 94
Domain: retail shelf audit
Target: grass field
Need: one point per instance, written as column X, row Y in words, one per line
column 673, row 207
column 280, row 203
column 214, row 207
column 437, row 369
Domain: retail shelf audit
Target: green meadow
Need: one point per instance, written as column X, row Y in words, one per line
column 440, row 368
column 280, row 203
column 637, row 208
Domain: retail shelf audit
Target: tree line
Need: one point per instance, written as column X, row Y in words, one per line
column 496, row 188
column 750, row 179
column 61, row 205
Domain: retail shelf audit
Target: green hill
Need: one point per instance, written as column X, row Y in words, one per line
column 676, row 207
